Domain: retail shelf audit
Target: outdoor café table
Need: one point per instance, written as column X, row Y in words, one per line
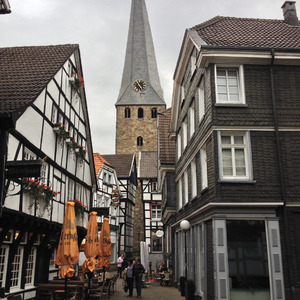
column 51, row 287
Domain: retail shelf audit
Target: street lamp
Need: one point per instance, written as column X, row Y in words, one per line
column 185, row 226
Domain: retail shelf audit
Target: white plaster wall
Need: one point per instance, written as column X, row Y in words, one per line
column 48, row 140
column 30, row 125
column 53, row 90
column 12, row 201
column 156, row 197
column 12, row 148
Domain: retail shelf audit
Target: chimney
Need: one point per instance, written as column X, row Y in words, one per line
column 289, row 13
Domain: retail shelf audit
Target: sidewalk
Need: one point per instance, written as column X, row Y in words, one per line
column 153, row 291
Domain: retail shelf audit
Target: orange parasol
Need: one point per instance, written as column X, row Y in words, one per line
column 91, row 244
column 104, row 245
column 67, row 252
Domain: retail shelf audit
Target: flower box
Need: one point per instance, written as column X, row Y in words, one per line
column 69, row 141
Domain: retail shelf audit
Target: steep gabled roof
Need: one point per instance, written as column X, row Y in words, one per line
column 148, row 164
column 246, row 32
column 122, row 163
column 99, row 161
column 25, row 72
column 166, row 145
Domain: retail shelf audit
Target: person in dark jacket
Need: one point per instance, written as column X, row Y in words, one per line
column 129, row 276
column 138, row 270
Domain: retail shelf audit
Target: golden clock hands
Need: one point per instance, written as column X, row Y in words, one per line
column 139, row 85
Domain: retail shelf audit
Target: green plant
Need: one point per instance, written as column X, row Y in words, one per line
column 190, row 290
column 39, row 193
column 78, row 82
column 182, row 281
column 79, row 207
column 63, row 134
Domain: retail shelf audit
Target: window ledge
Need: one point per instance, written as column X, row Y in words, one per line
column 246, row 181
column 231, row 105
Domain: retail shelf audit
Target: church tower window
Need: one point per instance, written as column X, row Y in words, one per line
column 140, row 141
column 140, row 113
column 127, row 113
column 153, row 113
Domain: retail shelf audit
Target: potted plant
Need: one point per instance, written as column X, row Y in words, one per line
column 39, row 193
column 76, row 82
column 79, row 207
column 62, row 132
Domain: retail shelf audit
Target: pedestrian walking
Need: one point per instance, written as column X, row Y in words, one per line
column 138, row 270
column 129, row 276
column 119, row 264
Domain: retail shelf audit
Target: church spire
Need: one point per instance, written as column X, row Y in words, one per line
column 140, row 82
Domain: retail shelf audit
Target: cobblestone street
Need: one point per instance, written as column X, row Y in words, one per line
column 153, row 291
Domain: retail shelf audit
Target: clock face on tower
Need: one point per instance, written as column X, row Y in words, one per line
column 139, row 86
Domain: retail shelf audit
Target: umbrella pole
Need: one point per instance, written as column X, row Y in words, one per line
column 66, row 282
column 103, row 275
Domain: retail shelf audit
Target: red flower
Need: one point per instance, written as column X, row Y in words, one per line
column 59, row 192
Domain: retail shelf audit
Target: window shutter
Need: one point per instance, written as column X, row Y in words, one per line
column 220, row 259
column 274, row 248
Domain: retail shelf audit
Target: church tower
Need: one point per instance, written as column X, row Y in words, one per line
column 139, row 101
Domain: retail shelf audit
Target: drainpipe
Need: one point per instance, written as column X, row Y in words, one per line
column 281, row 177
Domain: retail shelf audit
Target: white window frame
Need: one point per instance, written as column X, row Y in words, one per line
column 201, row 101
column 182, row 95
column 3, row 264
column 194, row 178
column 247, row 152
column 184, row 134
column 33, row 256
column 155, row 209
column 17, row 272
column 203, row 164
column 186, row 187
column 71, row 191
column 193, row 61
column 179, row 145
column 240, row 82
column 54, row 113
column 192, row 119
column 180, row 198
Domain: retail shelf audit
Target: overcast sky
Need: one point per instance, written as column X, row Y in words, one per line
column 100, row 27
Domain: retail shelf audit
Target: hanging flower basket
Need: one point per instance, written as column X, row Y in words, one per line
column 39, row 193
column 79, row 207
column 62, row 132
column 76, row 82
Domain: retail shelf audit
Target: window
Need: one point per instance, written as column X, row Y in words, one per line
column 178, row 141
column 140, row 141
column 180, row 193
column 3, row 264
column 156, row 242
column 247, row 256
column 153, row 113
column 43, row 173
column 229, row 85
column 193, row 62
column 30, row 265
column 194, row 178
column 203, row 161
column 16, row 269
column 154, row 186
column 234, row 155
column 201, row 100
column 186, row 187
column 127, row 113
column 184, row 133
column 28, row 155
column 104, row 177
column 54, row 114
column 140, row 113
column 192, row 119
column 155, row 212
column 182, row 96
column 51, row 262
column 71, row 189
column 109, row 179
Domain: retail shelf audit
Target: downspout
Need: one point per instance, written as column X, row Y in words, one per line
column 281, row 177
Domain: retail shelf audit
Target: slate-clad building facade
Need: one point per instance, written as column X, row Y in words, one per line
column 235, row 113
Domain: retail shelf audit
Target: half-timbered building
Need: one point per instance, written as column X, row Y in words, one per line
column 125, row 167
column 106, row 200
column 42, row 92
column 152, row 205
column 235, row 113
